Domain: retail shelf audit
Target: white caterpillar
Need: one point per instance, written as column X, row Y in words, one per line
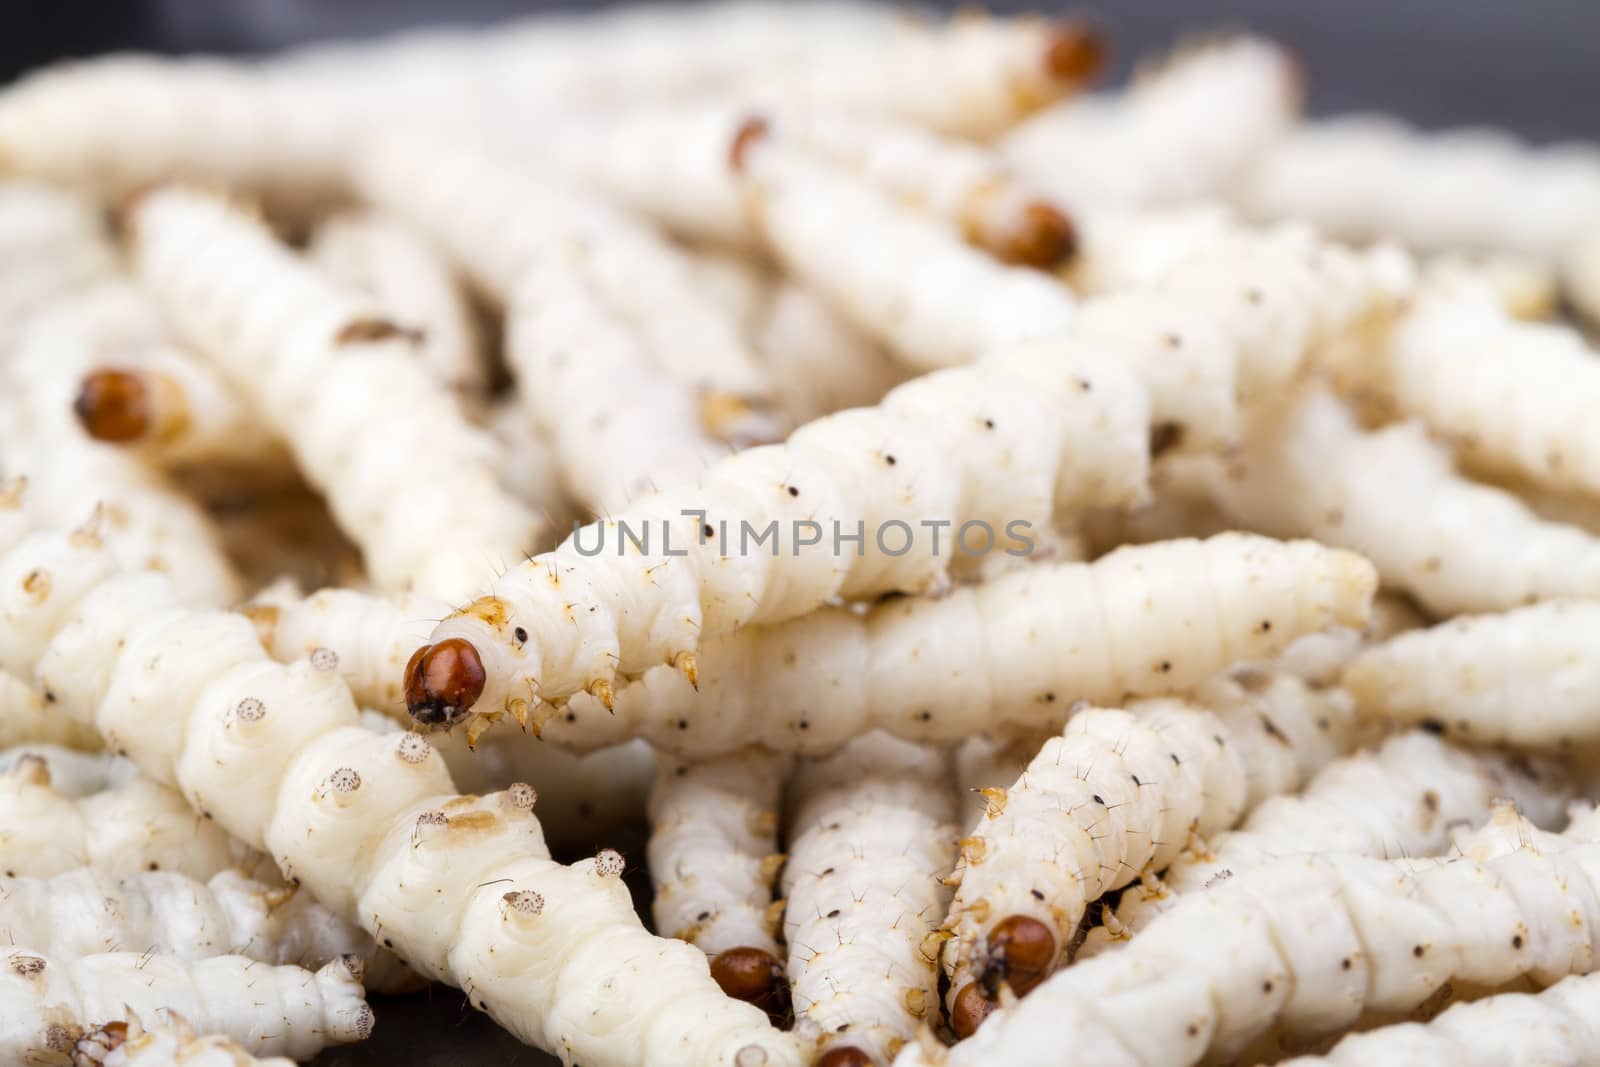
column 985, row 763
column 528, row 466
column 461, row 888
column 1007, row 655
column 139, row 825
column 1363, row 177
column 164, row 1040
column 1512, row 398
column 47, row 1003
column 404, row 274
column 1393, row 802
column 52, row 243
column 1392, row 495
column 26, row 717
column 1511, row 1030
column 1527, row 677
column 872, row 837
column 1119, row 794
column 1010, row 444
column 321, row 367
column 1310, row 941
column 1182, row 132
column 88, row 911
column 72, row 773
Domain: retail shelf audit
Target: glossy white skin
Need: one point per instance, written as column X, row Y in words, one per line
column 166, row 1039
column 88, row 911
column 138, row 825
column 72, row 773
column 462, row 888
column 407, row 277
column 26, row 718
column 872, row 838
column 1007, row 655
column 1180, row 133
column 1121, row 793
column 1526, row 677
column 1363, row 177
column 1025, row 437
column 52, row 242
column 1511, row 398
column 1397, row 801
column 713, row 850
column 47, row 1002
column 1309, row 470
column 147, row 520
column 117, row 125
column 366, row 423
column 1559, row 1025
column 1272, row 944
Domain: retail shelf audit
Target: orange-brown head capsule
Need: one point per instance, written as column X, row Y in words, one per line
column 754, row 976
column 750, row 131
column 1045, row 238
column 972, row 1006
column 113, row 405
column 1021, row 952
column 844, row 1056
column 1078, row 52
column 443, row 681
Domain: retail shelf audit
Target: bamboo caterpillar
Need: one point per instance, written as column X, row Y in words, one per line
column 318, row 360
column 405, row 275
column 1509, row 1030
column 1311, row 942
column 872, row 837
column 164, row 1040
column 1182, row 132
column 1512, row 398
column 528, row 467
column 1116, row 796
column 1363, row 177
column 114, row 126
column 1011, row 445
column 1008, row 655
column 1524, row 677
column 1392, row 495
column 26, row 718
column 139, row 825
column 1396, row 801
column 52, row 243
column 47, row 1003
column 87, row 911
column 72, row 773
column 713, row 860
column 461, row 888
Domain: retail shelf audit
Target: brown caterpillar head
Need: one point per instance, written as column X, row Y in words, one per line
column 754, row 976
column 443, row 681
column 972, row 1006
column 751, row 130
column 1021, row 951
column 1077, row 52
column 1045, row 238
column 844, row 1056
column 113, row 405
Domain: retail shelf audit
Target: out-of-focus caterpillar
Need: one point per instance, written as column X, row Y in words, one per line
column 163, row 1040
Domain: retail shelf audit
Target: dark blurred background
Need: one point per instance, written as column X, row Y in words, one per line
column 1531, row 65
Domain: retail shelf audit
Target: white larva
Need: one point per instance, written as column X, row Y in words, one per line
column 462, row 888
column 1528, row 677
column 52, row 243
column 1310, row 942
column 138, row 825
column 1118, row 795
column 1311, row 471
column 72, row 773
column 47, row 1003
column 872, row 838
column 1511, row 1030
column 528, row 466
column 987, row 763
column 1181, row 133
column 1013, row 443
column 1512, row 398
column 713, row 851
column 165, row 1039
column 365, row 422
column 26, row 718
column 404, row 274
column 1008, row 655
column 1393, row 802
